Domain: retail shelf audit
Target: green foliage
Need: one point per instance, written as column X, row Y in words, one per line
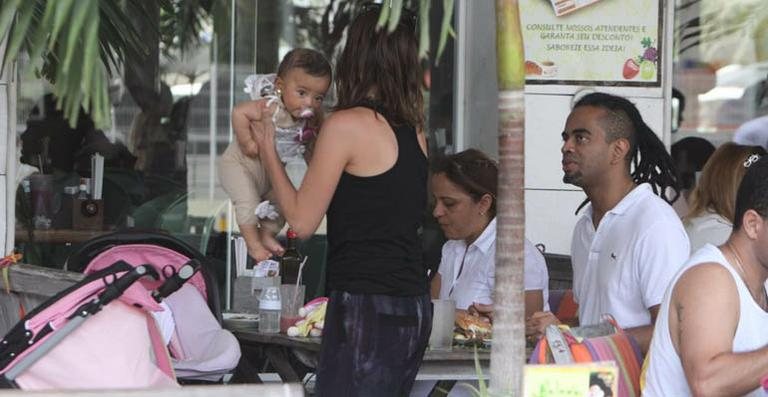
column 181, row 21
column 391, row 11
column 78, row 44
column 75, row 44
column 445, row 28
column 482, row 389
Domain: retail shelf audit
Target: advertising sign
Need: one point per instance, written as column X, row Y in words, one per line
column 592, row 42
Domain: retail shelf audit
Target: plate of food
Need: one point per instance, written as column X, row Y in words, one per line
column 472, row 330
column 240, row 320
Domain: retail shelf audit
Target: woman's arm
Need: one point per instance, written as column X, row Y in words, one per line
column 434, row 288
column 304, row 209
column 242, row 116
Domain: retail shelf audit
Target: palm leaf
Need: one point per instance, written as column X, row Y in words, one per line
column 396, row 10
column 181, row 22
column 78, row 44
column 384, row 14
column 445, row 27
column 424, row 6
column 390, row 14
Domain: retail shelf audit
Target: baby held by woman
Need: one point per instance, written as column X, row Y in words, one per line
column 293, row 98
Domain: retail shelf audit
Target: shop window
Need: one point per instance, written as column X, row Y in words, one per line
column 168, row 128
column 721, row 66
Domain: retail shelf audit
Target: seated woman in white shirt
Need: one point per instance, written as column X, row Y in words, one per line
column 464, row 186
column 714, row 197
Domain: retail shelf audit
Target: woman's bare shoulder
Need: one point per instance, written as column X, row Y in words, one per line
column 357, row 114
column 351, row 121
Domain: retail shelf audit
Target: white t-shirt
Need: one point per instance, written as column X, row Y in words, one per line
column 476, row 281
column 753, row 133
column 665, row 375
column 624, row 267
column 708, row 228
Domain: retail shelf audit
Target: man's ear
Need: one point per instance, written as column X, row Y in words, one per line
column 485, row 203
column 752, row 223
column 620, row 150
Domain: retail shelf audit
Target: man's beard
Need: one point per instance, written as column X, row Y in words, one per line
column 572, row 179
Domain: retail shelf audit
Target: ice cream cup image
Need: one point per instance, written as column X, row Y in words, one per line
column 548, row 68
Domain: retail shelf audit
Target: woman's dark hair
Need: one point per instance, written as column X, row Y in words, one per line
column 648, row 159
column 473, row 171
column 753, row 191
column 382, row 67
column 311, row 61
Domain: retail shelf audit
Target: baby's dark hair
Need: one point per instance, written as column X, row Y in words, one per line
column 311, row 61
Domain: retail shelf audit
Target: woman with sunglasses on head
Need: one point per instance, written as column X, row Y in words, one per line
column 713, row 200
column 464, row 186
column 369, row 173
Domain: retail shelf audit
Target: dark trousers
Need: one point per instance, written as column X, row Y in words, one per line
column 372, row 344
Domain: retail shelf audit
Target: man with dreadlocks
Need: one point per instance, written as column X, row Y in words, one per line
column 629, row 242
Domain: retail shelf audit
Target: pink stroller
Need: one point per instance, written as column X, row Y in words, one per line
column 154, row 332
column 200, row 349
column 99, row 333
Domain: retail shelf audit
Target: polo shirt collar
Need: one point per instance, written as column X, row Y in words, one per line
column 631, row 198
column 486, row 239
column 628, row 201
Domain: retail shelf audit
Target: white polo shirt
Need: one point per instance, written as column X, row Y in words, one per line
column 624, row 267
column 477, row 278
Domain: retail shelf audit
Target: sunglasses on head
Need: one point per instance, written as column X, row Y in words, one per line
column 461, row 171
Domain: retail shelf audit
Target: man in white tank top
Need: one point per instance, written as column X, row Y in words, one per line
column 711, row 335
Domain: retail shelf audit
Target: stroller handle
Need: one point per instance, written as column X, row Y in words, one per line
column 173, row 283
column 115, row 289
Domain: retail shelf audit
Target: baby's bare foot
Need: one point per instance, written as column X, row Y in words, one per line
column 258, row 252
column 269, row 242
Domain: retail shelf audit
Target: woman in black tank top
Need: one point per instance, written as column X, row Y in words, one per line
column 379, row 316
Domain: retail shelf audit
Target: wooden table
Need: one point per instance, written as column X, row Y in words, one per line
column 292, row 357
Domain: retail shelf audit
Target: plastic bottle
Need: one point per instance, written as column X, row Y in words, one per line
column 269, row 310
column 291, row 259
